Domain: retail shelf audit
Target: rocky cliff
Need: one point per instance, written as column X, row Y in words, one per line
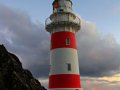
column 13, row 76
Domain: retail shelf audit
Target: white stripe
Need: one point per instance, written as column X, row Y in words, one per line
column 60, row 58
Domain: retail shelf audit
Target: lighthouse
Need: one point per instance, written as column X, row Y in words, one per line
column 63, row 25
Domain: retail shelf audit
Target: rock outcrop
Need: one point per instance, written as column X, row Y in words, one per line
column 13, row 76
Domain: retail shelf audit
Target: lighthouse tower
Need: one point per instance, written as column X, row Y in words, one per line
column 64, row 67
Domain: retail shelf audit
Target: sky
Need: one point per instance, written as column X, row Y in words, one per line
column 22, row 31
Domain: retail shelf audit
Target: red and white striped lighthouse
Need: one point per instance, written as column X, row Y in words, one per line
column 64, row 68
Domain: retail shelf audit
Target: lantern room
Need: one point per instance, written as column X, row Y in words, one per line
column 62, row 6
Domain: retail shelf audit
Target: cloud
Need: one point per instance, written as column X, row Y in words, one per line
column 98, row 55
column 98, row 84
column 114, row 80
column 26, row 39
column 44, row 82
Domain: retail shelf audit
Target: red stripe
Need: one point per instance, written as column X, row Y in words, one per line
column 64, row 81
column 58, row 40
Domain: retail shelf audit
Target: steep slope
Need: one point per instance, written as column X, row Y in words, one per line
column 13, row 76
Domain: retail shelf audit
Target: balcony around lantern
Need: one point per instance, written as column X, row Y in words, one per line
column 62, row 20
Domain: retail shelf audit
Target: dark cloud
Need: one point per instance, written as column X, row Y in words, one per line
column 98, row 55
column 26, row 39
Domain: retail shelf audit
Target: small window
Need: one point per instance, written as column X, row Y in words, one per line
column 67, row 41
column 61, row 10
column 68, row 66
